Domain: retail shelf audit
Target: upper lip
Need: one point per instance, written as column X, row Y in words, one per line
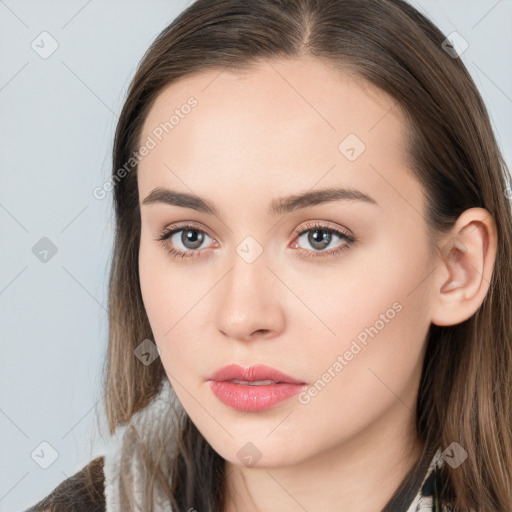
column 256, row 372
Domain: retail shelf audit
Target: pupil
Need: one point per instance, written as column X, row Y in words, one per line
column 192, row 236
column 324, row 240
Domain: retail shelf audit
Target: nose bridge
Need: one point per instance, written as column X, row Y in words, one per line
column 249, row 276
column 247, row 300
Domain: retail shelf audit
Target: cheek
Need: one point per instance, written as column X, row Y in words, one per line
column 373, row 309
column 351, row 296
column 376, row 355
column 153, row 288
column 172, row 301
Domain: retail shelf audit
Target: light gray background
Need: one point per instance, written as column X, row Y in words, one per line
column 57, row 117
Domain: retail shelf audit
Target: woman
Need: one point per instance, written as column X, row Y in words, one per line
column 310, row 285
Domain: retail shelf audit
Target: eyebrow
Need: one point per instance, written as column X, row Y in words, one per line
column 278, row 206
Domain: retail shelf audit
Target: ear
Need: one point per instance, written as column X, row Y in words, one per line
column 464, row 268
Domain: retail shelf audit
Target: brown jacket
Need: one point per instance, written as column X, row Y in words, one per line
column 82, row 492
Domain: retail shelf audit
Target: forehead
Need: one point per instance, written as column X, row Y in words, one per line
column 281, row 123
column 275, row 95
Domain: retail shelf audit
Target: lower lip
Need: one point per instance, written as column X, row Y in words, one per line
column 247, row 398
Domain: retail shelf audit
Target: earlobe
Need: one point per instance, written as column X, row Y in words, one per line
column 464, row 269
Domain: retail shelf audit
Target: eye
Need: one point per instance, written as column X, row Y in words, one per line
column 319, row 236
column 185, row 240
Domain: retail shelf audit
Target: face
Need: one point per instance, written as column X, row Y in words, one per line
column 332, row 291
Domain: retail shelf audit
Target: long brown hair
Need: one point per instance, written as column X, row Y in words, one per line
column 466, row 383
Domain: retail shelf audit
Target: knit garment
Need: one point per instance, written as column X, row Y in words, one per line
column 157, row 410
column 427, row 498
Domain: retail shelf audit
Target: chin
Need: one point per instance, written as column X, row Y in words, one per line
column 281, row 451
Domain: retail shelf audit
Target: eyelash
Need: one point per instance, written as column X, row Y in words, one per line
column 348, row 240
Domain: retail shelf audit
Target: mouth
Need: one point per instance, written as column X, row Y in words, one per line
column 257, row 374
column 252, row 383
column 254, row 388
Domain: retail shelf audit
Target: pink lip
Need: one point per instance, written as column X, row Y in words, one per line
column 252, row 373
column 252, row 398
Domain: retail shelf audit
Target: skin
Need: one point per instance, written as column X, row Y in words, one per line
column 269, row 132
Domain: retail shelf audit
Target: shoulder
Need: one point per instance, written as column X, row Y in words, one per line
column 82, row 492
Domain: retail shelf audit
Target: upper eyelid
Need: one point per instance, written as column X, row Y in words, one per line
column 307, row 227
column 323, row 225
column 176, row 228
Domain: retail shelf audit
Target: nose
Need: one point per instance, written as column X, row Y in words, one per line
column 248, row 303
